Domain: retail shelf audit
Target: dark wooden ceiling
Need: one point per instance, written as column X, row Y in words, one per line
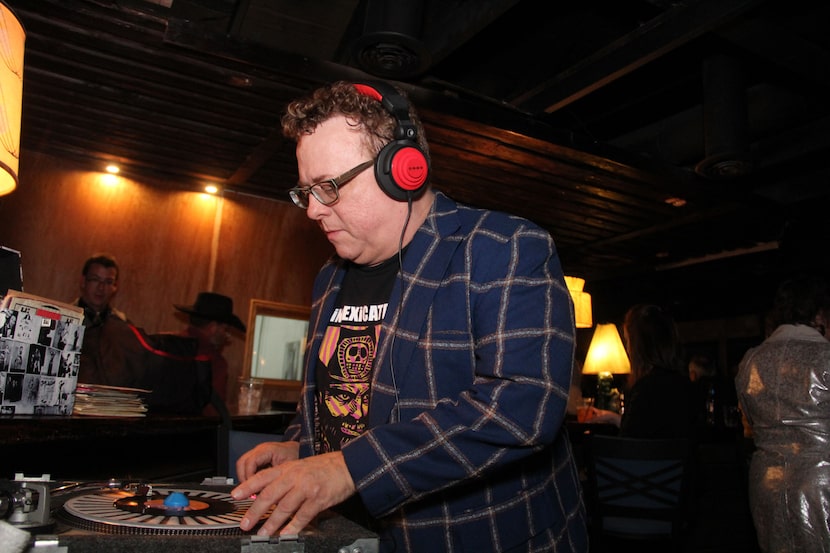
column 590, row 117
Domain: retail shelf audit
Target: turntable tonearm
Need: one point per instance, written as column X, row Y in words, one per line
column 94, row 517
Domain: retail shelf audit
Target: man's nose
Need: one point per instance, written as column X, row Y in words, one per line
column 315, row 209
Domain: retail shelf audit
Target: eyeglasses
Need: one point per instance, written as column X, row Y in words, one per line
column 98, row 281
column 326, row 192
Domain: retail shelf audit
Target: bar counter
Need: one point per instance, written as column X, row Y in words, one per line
column 155, row 447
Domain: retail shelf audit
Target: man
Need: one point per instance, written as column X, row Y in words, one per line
column 99, row 284
column 210, row 319
column 440, row 351
column 102, row 357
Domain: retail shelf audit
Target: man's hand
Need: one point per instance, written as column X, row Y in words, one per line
column 298, row 490
column 602, row 416
column 264, row 455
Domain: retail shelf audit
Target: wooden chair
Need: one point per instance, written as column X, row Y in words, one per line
column 638, row 489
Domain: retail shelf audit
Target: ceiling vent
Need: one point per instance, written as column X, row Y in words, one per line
column 390, row 46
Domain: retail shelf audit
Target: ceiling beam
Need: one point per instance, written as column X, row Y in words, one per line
column 666, row 32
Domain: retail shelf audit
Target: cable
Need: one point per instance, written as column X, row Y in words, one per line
column 400, row 305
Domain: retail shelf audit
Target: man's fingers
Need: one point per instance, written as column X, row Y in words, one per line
column 264, row 455
column 266, row 496
column 247, row 488
column 275, row 521
column 299, row 490
column 301, row 519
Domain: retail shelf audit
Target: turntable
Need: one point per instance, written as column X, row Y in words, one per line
column 94, row 517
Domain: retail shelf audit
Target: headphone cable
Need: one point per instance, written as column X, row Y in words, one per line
column 400, row 305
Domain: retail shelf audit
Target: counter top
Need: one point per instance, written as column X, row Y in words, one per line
column 154, row 446
column 35, row 428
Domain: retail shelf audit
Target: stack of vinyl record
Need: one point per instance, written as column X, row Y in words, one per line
column 109, row 401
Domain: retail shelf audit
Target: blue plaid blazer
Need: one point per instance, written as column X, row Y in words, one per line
column 466, row 448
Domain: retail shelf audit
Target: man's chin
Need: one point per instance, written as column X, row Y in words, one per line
column 345, row 253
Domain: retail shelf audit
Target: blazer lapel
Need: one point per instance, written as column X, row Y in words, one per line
column 427, row 258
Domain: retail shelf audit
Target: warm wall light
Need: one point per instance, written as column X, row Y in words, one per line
column 109, row 179
column 211, row 189
column 582, row 302
column 12, row 39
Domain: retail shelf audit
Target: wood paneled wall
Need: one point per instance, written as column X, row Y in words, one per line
column 170, row 245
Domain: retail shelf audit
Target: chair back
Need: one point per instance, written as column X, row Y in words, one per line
column 638, row 488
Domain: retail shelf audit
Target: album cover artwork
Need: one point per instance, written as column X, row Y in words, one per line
column 40, row 345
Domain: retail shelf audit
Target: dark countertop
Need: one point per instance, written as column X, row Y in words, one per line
column 38, row 428
column 162, row 447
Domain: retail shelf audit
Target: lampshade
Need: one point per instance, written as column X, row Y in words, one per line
column 582, row 302
column 606, row 353
column 12, row 38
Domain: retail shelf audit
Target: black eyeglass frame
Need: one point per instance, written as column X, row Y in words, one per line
column 299, row 194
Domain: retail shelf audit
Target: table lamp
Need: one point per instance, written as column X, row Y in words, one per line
column 12, row 40
column 606, row 357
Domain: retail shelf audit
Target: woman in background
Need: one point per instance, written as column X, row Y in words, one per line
column 658, row 403
column 784, row 391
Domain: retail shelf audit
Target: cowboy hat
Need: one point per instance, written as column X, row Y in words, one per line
column 214, row 307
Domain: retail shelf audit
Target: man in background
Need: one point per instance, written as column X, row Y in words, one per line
column 99, row 284
column 210, row 320
column 102, row 355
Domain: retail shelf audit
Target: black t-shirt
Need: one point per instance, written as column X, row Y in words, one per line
column 346, row 360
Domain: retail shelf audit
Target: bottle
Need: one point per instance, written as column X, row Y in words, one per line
column 710, row 406
column 605, row 382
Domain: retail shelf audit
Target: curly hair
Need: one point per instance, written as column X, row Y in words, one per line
column 304, row 115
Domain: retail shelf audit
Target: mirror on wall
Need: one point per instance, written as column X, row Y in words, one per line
column 275, row 343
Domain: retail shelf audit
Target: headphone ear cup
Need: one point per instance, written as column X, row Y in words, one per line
column 401, row 170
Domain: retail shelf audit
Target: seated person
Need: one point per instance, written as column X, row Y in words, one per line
column 658, row 403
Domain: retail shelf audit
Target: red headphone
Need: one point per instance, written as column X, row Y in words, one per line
column 401, row 167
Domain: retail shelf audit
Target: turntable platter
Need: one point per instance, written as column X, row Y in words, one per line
column 121, row 511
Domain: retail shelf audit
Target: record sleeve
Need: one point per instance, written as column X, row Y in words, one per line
column 40, row 348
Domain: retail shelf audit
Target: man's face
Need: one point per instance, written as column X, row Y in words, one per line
column 99, row 286
column 218, row 334
column 364, row 226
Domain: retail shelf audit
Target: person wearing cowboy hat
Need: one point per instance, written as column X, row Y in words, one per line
column 210, row 319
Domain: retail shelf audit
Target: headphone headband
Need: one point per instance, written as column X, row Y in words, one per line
column 394, row 103
column 401, row 167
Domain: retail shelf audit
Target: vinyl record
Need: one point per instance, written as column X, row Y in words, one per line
column 124, row 512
